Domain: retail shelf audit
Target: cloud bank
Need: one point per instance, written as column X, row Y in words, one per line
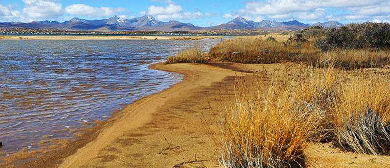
column 316, row 10
column 282, row 10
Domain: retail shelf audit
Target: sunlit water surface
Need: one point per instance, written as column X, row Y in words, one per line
column 49, row 88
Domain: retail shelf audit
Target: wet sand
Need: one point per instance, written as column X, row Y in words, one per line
column 175, row 128
column 74, row 37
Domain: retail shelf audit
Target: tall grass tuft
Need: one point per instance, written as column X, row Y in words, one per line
column 257, row 50
column 354, row 58
column 272, row 128
column 363, row 114
column 193, row 55
column 297, row 49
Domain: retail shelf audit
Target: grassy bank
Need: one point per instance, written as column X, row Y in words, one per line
column 339, row 94
column 273, row 127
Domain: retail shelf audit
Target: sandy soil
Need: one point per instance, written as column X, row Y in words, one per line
column 165, row 129
column 175, row 128
column 106, row 37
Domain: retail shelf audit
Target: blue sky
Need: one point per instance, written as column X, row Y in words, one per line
column 199, row 12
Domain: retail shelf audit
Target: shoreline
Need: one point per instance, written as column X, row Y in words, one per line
column 97, row 37
column 140, row 115
column 136, row 115
column 176, row 127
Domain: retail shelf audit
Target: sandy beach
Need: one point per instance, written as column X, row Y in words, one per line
column 165, row 129
column 74, row 37
column 176, row 127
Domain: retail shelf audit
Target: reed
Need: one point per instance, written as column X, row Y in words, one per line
column 354, row 58
column 272, row 128
column 192, row 55
column 256, row 50
column 362, row 115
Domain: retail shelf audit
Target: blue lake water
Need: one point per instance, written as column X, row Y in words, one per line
column 49, row 88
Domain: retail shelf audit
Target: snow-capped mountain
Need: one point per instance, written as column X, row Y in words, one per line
column 242, row 23
column 118, row 23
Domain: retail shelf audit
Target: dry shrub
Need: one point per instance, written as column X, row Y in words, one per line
column 193, row 55
column 272, row 128
column 362, row 115
column 354, row 59
column 297, row 49
column 256, row 50
column 271, row 39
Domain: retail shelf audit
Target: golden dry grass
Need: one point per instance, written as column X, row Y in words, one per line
column 257, row 50
column 330, row 99
column 192, row 55
column 361, row 116
column 272, row 128
column 263, row 50
column 277, row 36
column 354, row 58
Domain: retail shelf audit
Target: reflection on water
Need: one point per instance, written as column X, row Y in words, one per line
column 50, row 87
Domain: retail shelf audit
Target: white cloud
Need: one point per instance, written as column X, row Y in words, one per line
column 171, row 12
column 41, row 9
column 85, row 10
column 314, row 10
column 8, row 14
column 163, row 1
column 228, row 15
column 274, row 7
column 373, row 10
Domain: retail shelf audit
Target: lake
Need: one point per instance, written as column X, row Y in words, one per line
column 51, row 88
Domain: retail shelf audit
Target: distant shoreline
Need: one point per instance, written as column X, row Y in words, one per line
column 97, row 37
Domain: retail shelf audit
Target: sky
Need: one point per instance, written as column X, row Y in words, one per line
column 198, row 12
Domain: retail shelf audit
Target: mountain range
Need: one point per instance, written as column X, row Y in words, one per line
column 149, row 23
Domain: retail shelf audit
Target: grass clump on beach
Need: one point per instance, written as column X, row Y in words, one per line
column 362, row 115
column 257, row 50
column 350, row 59
column 272, row 128
column 353, row 46
column 251, row 50
column 340, row 94
column 192, row 55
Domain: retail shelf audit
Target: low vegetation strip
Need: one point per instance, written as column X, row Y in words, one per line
column 193, row 55
column 272, row 127
column 353, row 46
column 337, row 96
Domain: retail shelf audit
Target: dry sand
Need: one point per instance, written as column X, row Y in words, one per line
column 162, row 130
column 73, row 37
column 175, row 128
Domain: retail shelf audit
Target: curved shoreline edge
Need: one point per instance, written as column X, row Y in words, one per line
column 169, row 128
column 141, row 112
column 86, row 150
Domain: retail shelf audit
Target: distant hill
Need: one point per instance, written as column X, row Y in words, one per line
column 242, row 23
column 150, row 23
column 111, row 24
column 331, row 24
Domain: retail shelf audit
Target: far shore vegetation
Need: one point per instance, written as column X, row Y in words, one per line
column 334, row 88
